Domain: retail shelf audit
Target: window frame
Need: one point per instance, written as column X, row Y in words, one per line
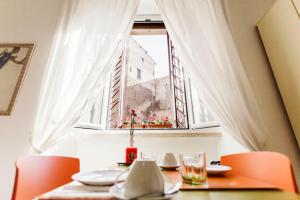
column 155, row 28
column 193, row 123
column 101, row 102
column 148, row 28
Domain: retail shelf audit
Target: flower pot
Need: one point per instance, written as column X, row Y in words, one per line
column 135, row 126
column 159, row 126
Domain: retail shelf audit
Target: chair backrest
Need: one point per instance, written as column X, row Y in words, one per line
column 36, row 175
column 270, row 167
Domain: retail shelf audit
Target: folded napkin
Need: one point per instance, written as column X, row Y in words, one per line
column 77, row 190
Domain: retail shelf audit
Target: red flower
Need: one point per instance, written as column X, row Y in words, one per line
column 133, row 113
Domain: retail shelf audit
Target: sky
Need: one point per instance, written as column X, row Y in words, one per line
column 157, row 48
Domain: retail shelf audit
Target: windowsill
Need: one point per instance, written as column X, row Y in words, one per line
column 205, row 132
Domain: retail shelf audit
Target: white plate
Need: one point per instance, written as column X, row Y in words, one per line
column 115, row 192
column 99, row 177
column 169, row 167
column 217, row 169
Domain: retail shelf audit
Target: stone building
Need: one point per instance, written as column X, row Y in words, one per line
column 139, row 65
column 143, row 93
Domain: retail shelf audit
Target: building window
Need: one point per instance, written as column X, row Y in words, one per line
column 138, row 74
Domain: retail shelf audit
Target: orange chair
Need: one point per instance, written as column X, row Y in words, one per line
column 36, row 175
column 270, row 167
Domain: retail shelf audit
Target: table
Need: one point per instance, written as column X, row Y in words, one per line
column 189, row 195
column 236, row 195
column 237, row 188
column 225, row 182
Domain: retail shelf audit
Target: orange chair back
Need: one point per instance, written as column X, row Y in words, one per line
column 36, row 175
column 270, row 167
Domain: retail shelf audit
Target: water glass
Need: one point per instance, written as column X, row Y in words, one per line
column 148, row 155
column 193, row 167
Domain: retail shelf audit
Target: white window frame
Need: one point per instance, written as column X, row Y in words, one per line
column 99, row 111
column 102, row 106
column 193, row 108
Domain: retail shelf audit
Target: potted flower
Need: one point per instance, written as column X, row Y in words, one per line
column 131, row 151
column 159, row 122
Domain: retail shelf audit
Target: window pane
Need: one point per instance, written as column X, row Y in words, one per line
column 96, row 117
column 201, row 117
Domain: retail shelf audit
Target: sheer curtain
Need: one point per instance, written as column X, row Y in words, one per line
column 88, row 43
column 202, row 38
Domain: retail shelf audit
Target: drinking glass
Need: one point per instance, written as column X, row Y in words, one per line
column 148, row 155
column 193, row 167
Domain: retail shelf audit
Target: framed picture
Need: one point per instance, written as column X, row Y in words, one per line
column 14, row 59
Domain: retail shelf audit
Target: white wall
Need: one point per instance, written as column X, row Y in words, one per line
column 99, row 150
column 242, row 16
column 24, row 21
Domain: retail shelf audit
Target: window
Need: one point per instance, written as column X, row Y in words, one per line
column 139, row 74
column 150, row 79
column 96, row 118
column 200, row 117
column 154, row 88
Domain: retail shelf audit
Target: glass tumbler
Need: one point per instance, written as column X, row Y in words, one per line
column 148, row 155
column 193, row 167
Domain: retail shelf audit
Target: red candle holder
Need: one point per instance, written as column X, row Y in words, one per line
column 131, row 154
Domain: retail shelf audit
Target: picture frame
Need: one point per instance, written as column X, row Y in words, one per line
column 14, row 61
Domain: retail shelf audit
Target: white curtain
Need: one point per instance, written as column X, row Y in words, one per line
column 88, row 43
column 204, row 43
